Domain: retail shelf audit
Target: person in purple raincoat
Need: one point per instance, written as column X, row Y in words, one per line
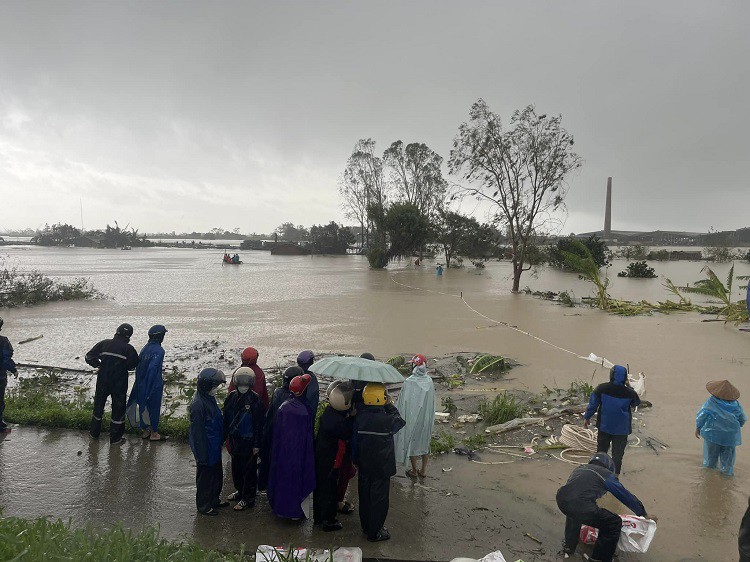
column 292, row 472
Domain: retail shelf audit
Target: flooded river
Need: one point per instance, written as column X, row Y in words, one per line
column 284, row 304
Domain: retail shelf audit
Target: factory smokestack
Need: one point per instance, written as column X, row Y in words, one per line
column 608, row 211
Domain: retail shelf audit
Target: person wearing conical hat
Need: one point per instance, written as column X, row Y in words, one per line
column 719, row 422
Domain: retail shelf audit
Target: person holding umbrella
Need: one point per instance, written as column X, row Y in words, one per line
column 719, row 422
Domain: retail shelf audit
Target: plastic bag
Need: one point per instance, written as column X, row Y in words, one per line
column 637, row 533
column 638, row 384
column 266, row 553
column 588, row 534
column 594, row 358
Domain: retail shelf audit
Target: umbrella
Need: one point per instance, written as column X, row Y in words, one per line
column 357, row 369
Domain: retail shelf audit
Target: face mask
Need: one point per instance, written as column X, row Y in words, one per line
column 243, row 389
column 213, row 391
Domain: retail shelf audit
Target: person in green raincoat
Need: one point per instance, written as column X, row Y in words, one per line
column 416, row 403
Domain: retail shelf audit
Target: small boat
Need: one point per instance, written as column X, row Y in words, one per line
column 126, row 248
column 232, row 263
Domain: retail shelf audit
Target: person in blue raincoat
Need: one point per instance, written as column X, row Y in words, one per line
column 206, row 440
column 416, row 404
column 719, row 422
column 144, row 404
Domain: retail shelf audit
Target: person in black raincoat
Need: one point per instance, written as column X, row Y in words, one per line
column 243, row 425
column 305, row 361
column 373, row 452
column 7, row 365
column 332, row 449
column 743, row 539
column 577, row 500
column 114, row 358
column 280, row 396
column 206, row 439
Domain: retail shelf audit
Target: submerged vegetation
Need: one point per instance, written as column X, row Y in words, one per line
column 504, row 407
column 18, row 288
column 42, row 539
column 638, row 270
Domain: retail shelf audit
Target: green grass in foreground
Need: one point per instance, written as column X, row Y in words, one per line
column 22, row 541
column 36, row 406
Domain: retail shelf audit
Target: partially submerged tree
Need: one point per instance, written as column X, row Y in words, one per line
column 597, row 248
column 582, row 262
column 58, row 235
column 408, row 230
column 417, row 176
column 713, row 288
column 460, row 235
column 330, row 239
column 520, row 171
column 290, row 233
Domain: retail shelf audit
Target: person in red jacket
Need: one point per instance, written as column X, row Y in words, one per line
column 250, row 359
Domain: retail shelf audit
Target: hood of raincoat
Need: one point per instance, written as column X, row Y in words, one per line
column 618, row 374
column 419, row 371
column 249, row 356
column 290, row 374
column 416, row 405
column 208, row 379
column 305, row 359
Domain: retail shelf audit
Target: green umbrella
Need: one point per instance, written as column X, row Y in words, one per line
column 357, row 369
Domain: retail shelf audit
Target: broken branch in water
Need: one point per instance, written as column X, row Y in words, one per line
column 30, row 340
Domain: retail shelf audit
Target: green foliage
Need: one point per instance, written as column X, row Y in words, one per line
column 330, row 239
column 377, row 257
column 443, row 443
column 501, row 409
column 321, row 408
column 475, row 442
column 417, row 176
column 290, row 233
column 597, row 250
column 565, row 299
column 30, row 288
column 637, row 252
column 580, row 389
column 459, row 235
column 58, row 235
column 659, row 255
column 746, row 257
column 449, row 406
column 638, row 270
column 582, row 262
column 408, row 230
column 41, row 539
column 489, row 363
column 454, row 381
column 713, row 288
column 397, row 361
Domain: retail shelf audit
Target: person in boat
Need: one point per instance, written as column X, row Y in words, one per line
column 576, row 499
column 113, row 358
column 227, row 259
column 613, row 404
column 332, row 453
column 147, row 392
column 305, row 361
column 416, row 404
column 280, row 396
column 7, row 365
column 719, row 422
column 292, row 473
column 206, row 438
column 243, row 426
column 236, row 259
column 249, row 358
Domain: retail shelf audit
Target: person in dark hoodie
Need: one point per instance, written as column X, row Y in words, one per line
column 7, row 365
column 206, row 438
column 612, row 402
column 280, row 396
column 373, row 452
column 249, row 358
column 243, row 426
column 332, row 453
column 577, row 500
column 305, row 360
column 743, row 539
column 144, row 404
column 114, row 358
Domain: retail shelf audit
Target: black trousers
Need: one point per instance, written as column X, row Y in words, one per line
column 374, row 495
column 608, row 523
column 619, row 442
column 245, row 476
column 325, row 497
column 117, row 389
column 3, row 384
column 208, row 482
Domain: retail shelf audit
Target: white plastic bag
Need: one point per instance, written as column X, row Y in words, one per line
column 637, row 533
column 266, row 553
column 638, row 384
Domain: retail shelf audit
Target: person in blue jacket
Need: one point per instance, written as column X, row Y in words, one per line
column 7, row 365
column 577, row 500
column 612, row 402
column 206, row 439
column 144, row 404
column 719, row 422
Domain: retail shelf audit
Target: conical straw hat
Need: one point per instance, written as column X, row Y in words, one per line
column 724, row 390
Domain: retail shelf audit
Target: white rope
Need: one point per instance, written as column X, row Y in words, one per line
column 577, row 437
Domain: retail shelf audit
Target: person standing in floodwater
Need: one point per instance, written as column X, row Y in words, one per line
column 719, row 422
column 114, row 358
column 7, row 365
column 612, row 402
column 416, row 404
column 144, row 404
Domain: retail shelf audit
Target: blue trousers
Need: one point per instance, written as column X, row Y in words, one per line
column 718, row 456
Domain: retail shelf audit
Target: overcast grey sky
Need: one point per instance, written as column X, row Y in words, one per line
column 191, row 115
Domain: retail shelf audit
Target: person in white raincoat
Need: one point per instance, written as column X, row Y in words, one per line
column 416, row 404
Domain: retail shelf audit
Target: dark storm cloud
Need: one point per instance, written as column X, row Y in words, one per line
column 177, row 115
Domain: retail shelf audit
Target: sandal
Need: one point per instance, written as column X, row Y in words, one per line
column 347, row 508
column 146, row 434
column 411, row 474
column 160, row 438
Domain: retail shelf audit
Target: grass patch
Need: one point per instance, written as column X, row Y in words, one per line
column 22, row 540
column 29, row 288
column 503, row 408
column 443, row 443
column 475, row 442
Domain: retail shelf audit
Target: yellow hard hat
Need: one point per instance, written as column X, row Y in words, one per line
column 374, row 394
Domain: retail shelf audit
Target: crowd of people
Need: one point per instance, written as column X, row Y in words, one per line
column 275, row 447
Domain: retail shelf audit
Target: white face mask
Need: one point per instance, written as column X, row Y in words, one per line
column 213, row 391
column 243, row 389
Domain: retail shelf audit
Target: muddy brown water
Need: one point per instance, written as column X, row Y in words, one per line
column 285, row 304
